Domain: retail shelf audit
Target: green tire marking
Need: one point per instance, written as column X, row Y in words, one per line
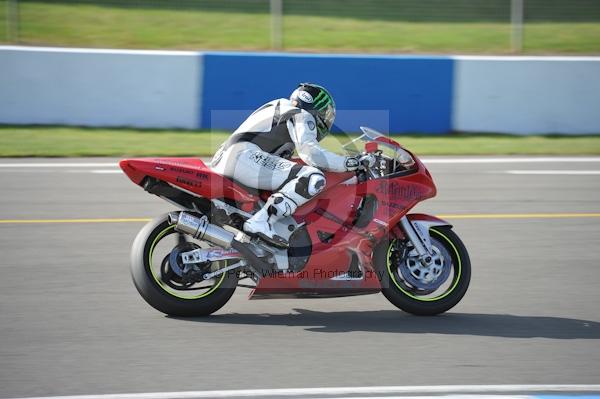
column 437, row 298
column 161, row 284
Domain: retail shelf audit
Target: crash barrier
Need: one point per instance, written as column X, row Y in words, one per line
column 527, row 95
column 87, row 87
column 410, row 93
column 217, row 90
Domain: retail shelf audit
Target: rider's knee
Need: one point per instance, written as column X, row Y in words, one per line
column 311, row 182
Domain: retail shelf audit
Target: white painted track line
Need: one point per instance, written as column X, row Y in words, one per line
column 391, row 390
column 553, row 172
column 60, row 165
column 106, row 171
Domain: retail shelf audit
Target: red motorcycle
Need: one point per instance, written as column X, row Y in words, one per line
column 356, row 237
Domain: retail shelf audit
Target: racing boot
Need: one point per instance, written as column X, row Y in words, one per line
column 262, row 222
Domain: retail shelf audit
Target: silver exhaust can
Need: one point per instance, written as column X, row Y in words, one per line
column 201, row 228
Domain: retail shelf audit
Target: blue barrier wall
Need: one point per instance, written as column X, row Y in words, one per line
column 391, row 93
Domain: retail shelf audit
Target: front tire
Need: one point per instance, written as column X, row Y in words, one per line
column 150, row 281
column 397, row 288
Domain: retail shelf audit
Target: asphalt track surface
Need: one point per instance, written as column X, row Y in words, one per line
column 72, row 323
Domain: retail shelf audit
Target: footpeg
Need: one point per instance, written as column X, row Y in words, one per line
column 275, row 241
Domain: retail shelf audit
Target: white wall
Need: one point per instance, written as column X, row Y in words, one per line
column 99, row 87
column 527, row 95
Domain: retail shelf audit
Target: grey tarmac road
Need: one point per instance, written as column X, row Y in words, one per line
column 72, row 323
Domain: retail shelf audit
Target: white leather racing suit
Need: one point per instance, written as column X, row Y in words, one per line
column 256, row 155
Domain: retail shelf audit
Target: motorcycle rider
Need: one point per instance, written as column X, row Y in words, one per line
column 257, row 155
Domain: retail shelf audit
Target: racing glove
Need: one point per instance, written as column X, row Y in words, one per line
column 354, row 163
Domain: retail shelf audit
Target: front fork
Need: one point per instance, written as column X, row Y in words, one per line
column 417, row 231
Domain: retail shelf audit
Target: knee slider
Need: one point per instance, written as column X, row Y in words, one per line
column 310, row 185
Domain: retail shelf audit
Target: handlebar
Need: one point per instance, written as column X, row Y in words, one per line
column 365, row 169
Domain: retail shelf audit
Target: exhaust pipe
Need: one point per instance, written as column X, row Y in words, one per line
column 200, row 228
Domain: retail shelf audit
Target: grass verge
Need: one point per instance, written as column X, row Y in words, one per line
column 40, row 141
column 333, row 26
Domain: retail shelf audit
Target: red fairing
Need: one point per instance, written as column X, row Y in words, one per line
column 426, row 218
column 190, row 174
column 334, row 212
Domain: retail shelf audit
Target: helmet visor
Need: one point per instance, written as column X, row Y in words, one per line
column 326, row 117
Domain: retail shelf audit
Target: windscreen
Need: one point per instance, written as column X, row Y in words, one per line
column 398, row 157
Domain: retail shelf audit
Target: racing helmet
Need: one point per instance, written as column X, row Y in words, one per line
column 317, row 101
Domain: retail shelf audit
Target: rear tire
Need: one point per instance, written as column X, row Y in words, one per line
column 399, row 293
column 154, row 290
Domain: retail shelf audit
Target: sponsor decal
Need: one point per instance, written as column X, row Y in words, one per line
column 311, row 125
column 351, row 162
column 269, row 162
column 188, row 182
column 181, row 170
column 395, row 191
column 174, row 162
column 394, row 205
column 305, row 96
column 322, row 101
column 202, row 176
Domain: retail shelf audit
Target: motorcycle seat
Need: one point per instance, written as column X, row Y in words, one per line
column 250, row 190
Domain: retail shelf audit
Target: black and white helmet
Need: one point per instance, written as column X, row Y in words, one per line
column 319, row 103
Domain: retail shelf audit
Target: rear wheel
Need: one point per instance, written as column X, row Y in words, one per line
column 157, row 273
column 424, row 289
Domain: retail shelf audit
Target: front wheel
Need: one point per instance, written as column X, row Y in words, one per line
column 154, row 268
column 424, row 290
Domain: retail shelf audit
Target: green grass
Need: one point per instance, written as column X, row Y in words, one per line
column 3, row 27
column 81, row 142
column 97, row 26
column 383, row 26
column 20, row 141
